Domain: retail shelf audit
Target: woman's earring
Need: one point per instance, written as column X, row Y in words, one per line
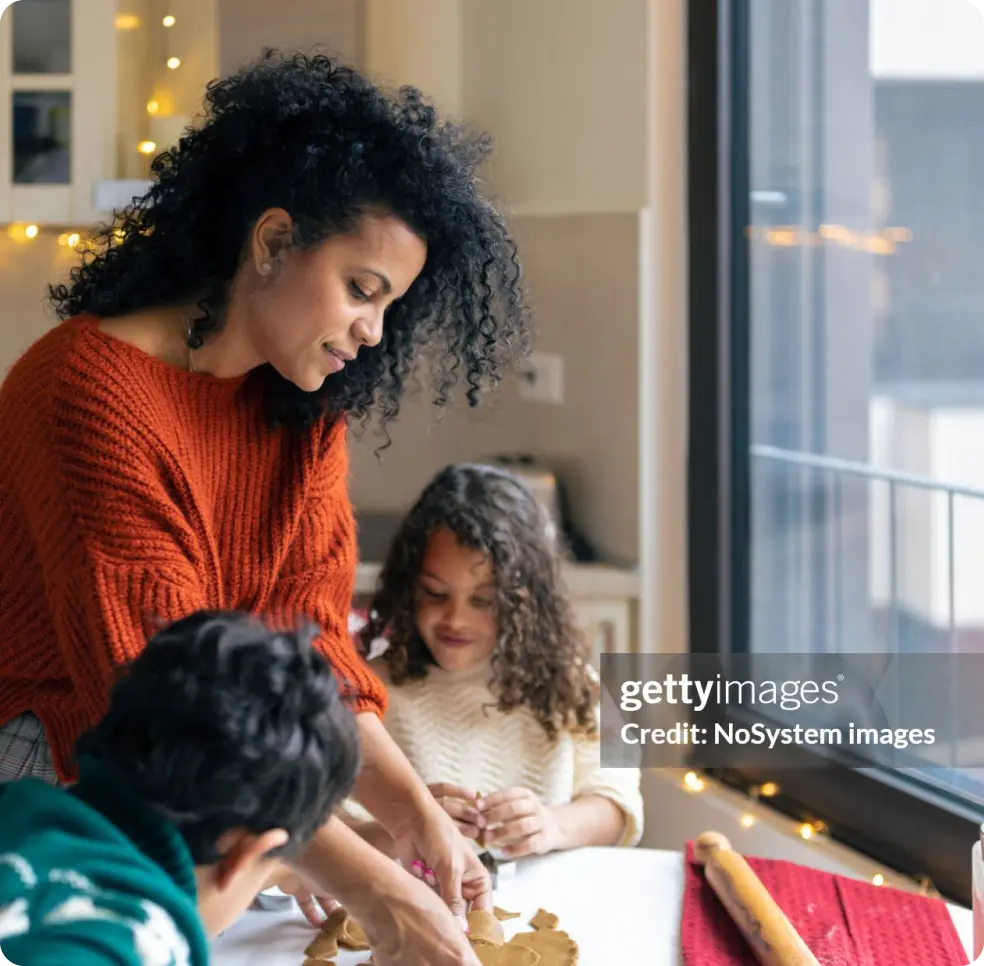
column 265, row 268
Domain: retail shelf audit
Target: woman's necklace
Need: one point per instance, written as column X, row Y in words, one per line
column 191, row 351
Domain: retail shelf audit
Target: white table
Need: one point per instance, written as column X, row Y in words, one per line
column 613, row 902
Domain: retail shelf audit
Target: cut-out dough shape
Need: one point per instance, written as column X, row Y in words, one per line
column 502, row 915
column 323, row 949
column 507, row 955
column 352, row 936
column 544, row 920
column 556, row 948
column 484, row 927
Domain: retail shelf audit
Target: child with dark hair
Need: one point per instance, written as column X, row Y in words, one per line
column 226, row 745
column 491, row 696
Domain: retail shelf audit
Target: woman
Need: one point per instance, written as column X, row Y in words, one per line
column 178, row 442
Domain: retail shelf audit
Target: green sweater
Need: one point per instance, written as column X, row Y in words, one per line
column 92, row 875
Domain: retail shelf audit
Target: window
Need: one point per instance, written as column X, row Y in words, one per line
column 837, row 366
column 42, row 32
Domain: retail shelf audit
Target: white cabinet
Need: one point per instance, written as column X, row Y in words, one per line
column 58, row 94
column 607, row 625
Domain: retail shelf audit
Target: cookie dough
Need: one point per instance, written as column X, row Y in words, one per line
column 484, row 927
column 352, row 936
column 502, row 915
column 322, row 950
column 548, row 946
column 544, row 920
column 507, row 955
column 554, row 947
column 339, row 929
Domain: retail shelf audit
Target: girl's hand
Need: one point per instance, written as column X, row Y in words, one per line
column 517, row 823
column 459, row 803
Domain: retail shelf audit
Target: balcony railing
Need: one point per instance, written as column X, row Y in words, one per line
column 837, row 470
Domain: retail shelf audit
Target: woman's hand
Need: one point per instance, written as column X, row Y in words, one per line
column 314, row 907
column 459, row 803
column 518, row 824
column 429, row 840
column 406, row 923
column 412, row 926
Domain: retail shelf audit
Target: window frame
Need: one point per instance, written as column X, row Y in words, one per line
column 876, row 813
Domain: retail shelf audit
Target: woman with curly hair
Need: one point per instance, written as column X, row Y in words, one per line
column 491, row 698
column 178, row 441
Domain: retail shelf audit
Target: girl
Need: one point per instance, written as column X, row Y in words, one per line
column 490, row 696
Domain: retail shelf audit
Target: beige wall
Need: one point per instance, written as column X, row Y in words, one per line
column 418, row 43
column 561, row 85
column 583, row 274
column 194, row 39
column 247, row 26
column 25, row 269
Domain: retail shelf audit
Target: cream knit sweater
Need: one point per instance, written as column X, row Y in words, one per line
column 448, row 725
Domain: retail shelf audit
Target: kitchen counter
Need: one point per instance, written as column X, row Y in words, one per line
column 596, row 581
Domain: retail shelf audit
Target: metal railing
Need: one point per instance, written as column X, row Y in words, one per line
column 837, row 470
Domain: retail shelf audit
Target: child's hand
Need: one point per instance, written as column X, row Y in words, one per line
column 459, row 803
column 517, row 823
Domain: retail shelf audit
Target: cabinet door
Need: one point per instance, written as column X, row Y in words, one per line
column 57, row 108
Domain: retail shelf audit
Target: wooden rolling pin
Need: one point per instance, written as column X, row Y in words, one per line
column 764, row 925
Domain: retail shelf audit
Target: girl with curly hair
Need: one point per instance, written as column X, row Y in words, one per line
column 491, row 697
column 178, row 441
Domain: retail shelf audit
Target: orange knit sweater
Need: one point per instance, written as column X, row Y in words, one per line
column 132, row 493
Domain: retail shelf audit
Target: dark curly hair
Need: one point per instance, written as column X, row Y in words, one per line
column 222, row 723
column 540, row 660
column 316, row 138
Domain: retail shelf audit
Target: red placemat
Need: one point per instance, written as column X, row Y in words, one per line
column 845, row 922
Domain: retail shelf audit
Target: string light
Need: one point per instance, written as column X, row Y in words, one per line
column 174, row 62
column 147, row 147
column 153, row 107
column 168, row 21
column 126, row 21
column 693, row 782
column 31, row 231
column 813, row 831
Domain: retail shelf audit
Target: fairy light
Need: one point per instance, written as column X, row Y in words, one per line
column 748, row 820
column 31, row 231
column 807, row 831
column 73, row 239
column 168, row 21
column 173, row 63
column 153, row 107
column 126, row 21
column 769, row 790
column 693, row 782
column 878, row 879
column 147, row 147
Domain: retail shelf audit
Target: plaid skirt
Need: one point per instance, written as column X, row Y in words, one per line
column 24, row 751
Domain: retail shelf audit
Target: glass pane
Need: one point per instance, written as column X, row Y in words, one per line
column 42, row 137
column 42, row 36
column 867, row 329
